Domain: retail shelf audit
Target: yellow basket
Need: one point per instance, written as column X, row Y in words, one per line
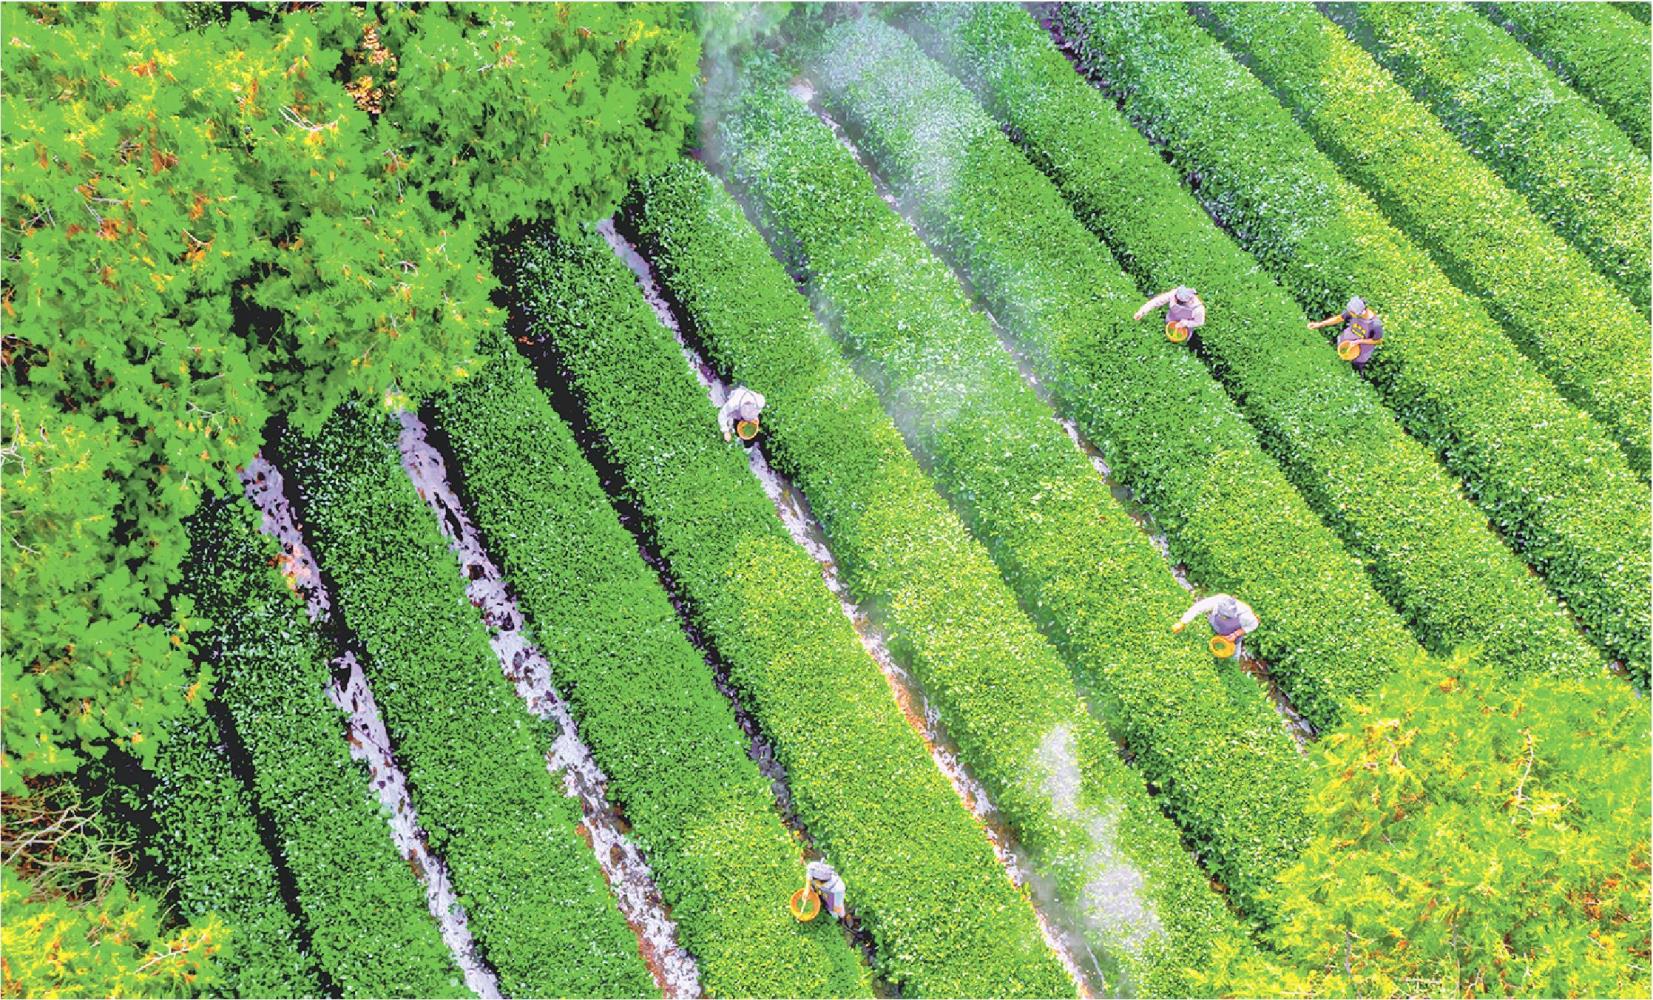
column 747, row 429
column 1222, row 647
column 1176, row 333
column 1349, row 350
column 805, row 905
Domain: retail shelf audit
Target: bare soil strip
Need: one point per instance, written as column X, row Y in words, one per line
column 369, row 741
column 793, row 508
column 603, row 826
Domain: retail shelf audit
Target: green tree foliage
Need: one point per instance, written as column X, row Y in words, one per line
column 1476, row 837
column 533, row 111
column 204, row 226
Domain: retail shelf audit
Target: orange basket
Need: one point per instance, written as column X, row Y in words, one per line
column 805, row 905
column 1349, row 350
column 1176, row 333
column 1222, row 647
column 747, row 429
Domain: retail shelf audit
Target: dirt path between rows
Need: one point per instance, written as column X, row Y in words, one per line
column 365, row 730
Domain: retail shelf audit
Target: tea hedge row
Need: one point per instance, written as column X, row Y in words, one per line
column 1167, row 427
column 1079, row 563
column 1027, row 492
column 1601, row 51
column 1575, row 167
column 208, row 840
column 944, row 919
column 1550, row 481
column 1582, row 333
column 1001, row 692
column 1433, row 557
column 473, row 755
column 369, row 925
column 644, row 698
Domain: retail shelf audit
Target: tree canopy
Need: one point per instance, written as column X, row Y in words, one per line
column 207, row 226
column 1476, row 836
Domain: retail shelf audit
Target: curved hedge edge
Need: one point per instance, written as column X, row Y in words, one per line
column 1597, row 48
column 1638, row 9
column 1436, row 560
column 644, row 698
column 209, row 837
column 369, row 925
column 473, row 756
column 1001, row 692
column 1576, row 168
column 1543, row 472
column 1580, row 331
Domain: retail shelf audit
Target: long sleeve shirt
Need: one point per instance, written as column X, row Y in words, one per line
column 742, row 404
column 1195, row 311
column 1246, row 619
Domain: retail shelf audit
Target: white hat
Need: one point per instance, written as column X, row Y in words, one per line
column 1228, row 607
column 1183, row 294
column 1356, row 304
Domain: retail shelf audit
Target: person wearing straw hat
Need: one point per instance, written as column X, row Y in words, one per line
column 1184, row 315
column 1230, row 618
column 826, row 881
column 1364, row 331
column 741, row 408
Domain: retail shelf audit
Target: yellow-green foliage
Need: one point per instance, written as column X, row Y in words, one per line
column 1476, row 837
column 111, row 947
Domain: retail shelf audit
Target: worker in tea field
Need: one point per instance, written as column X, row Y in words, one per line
column 739, row 413
column 826, row 881
column 1363, row 332
column 1185, row 315
column 1231, row 619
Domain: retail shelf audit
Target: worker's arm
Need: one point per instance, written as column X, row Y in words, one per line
column 1328, row 321
column 1157, row 302
column 1199, row 608
column 1197, row 320
column 726, row 418
column 1248, row 619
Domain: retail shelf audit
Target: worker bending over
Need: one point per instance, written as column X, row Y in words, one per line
column 1229, row 616
column 1364, row 331
column 824, row 879
column 1186, row 310
column 742, row 407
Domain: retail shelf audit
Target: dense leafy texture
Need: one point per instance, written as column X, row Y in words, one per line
column 1545, row 474
column 1582, row 333
column 1476, row 838
column 1200, row 729
column 540, row 111
column 944, row 919
column 1001, row 692
column 112, row 946
column 209, row 220
column 1576, row 168
column 474, row 757
column 1601, row 51
column 369, row 926
column 207, row 838
column 1167, row 429
column 643, row 696
column 1431, row 552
